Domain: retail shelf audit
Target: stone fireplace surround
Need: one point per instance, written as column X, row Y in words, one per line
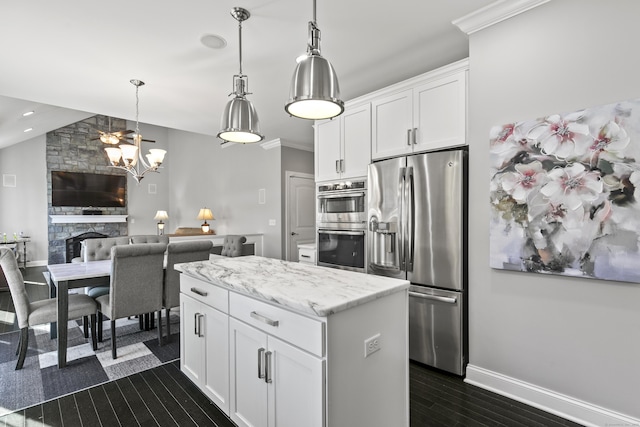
column 71, row 149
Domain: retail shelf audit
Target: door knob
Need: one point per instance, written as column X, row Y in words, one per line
column 293, row 233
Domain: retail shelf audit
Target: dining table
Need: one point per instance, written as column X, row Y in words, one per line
column 63, row 277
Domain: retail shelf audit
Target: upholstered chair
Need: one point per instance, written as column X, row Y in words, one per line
column 232, row 245
column 178, row 252
column 40, row 312
column 149, row 238
column 136, row 285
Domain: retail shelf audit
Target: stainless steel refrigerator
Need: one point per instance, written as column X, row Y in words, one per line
column 416, row 231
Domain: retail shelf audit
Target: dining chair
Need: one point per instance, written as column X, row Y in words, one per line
column 178, row 252
column 30, row 314
column 149, row 238
column 135, row 286
column 232, row 245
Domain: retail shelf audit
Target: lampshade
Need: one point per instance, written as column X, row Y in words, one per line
column 239, row 122
column 161, row 215
column 205, row 214
column 315, row 93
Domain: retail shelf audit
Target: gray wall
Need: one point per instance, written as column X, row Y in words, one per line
column 24, row 207
column 576, row 337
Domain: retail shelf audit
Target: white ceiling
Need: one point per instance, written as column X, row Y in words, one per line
column 80, row 56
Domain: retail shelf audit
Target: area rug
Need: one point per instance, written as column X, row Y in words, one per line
column 40, row 379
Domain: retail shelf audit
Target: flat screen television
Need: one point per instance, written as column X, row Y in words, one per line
column 87, row 189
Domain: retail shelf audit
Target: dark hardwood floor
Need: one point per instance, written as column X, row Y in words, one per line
column 162, row 396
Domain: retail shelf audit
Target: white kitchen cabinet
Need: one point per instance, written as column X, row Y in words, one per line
column 307, row 253
column 204, row 331
column 343, row 144
column 423, row 114
column 297, row 342
column 273, row 383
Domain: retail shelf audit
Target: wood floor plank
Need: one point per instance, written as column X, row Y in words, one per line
column 86, row 409
column 103, row 408
column 194, row 411
column 141, row 412
column 160, row 413
column 69, row 411
column 33, row 417
column 51, row 413
column 118, row 402
column 173, row 407
column 220, row 418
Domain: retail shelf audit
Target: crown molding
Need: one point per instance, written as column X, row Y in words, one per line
column 493, row 13
column 268, row 145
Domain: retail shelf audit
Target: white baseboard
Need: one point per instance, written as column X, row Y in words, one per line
column 547, row 400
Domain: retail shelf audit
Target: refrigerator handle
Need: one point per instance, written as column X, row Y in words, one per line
column 410, row 219
column 399, row 236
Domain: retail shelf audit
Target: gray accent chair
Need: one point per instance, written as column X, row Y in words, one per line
column 149, row 238
column 232, row 245
column 40, row 312
column 136, row 285
column 178, row 252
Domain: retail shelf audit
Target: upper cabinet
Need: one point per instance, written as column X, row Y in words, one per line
column 343, row 144
column 427, row 114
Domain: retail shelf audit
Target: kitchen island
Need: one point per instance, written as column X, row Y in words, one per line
column 276, row 343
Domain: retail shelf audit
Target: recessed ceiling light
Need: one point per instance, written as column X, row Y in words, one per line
column 28, row 113
column 28, row 130
column 213, row 41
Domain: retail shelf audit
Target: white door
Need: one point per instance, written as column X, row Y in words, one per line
column 248, row 391
column 356, row 141
column 296, row 390
column 216, row 379
column 392, row 119
column 327, row 149
column 301, row 216
column 440, row 113
column 191, row 361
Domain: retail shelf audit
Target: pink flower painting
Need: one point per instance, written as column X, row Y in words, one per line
column 565, row 192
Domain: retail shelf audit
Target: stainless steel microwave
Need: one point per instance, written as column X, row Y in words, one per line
column 342, row 203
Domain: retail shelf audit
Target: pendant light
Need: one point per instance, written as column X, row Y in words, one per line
column 240, row 121
column 314, row 93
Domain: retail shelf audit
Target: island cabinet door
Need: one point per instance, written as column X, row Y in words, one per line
column 296, row 392
column 248, row 403
column 204, row 345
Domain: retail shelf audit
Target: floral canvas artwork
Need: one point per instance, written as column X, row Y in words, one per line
column 565, row 194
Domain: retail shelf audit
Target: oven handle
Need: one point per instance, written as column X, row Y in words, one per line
column 343, row 232
column 341, row 195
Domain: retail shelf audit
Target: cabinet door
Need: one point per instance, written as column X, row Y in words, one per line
column 216, row 378
column 191, row 360
column 392, row 121
column 440, row 113
column 296, row 391
column 248, row 402
column 327, row 149
column 356, row 141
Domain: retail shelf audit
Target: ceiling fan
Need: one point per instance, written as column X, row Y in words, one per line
column 114, row 138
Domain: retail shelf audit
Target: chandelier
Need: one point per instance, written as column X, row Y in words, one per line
column 129, row 156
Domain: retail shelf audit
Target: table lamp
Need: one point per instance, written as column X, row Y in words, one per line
column 205, row 214
column 161, row 216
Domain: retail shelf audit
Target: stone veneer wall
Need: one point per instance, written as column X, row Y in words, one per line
column 71, row 149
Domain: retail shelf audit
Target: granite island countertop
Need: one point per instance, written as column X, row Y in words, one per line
column 320, row 291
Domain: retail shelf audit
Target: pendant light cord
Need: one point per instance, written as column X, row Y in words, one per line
column 137, row 110
column 240, row 49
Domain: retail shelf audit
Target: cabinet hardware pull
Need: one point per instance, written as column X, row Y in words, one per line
column 337, row 170
column 415, row 131
column 261, row 375
column 267, row 367
column 304, row 256
column 200, row 334
column 408, row 136
column 195, row 324
column 342, row 165
column 199, row 292
column 264, row 319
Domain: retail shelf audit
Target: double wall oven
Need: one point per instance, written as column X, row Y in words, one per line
column 341, row 221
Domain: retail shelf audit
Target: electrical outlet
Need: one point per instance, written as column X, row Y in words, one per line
column 371, row 345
